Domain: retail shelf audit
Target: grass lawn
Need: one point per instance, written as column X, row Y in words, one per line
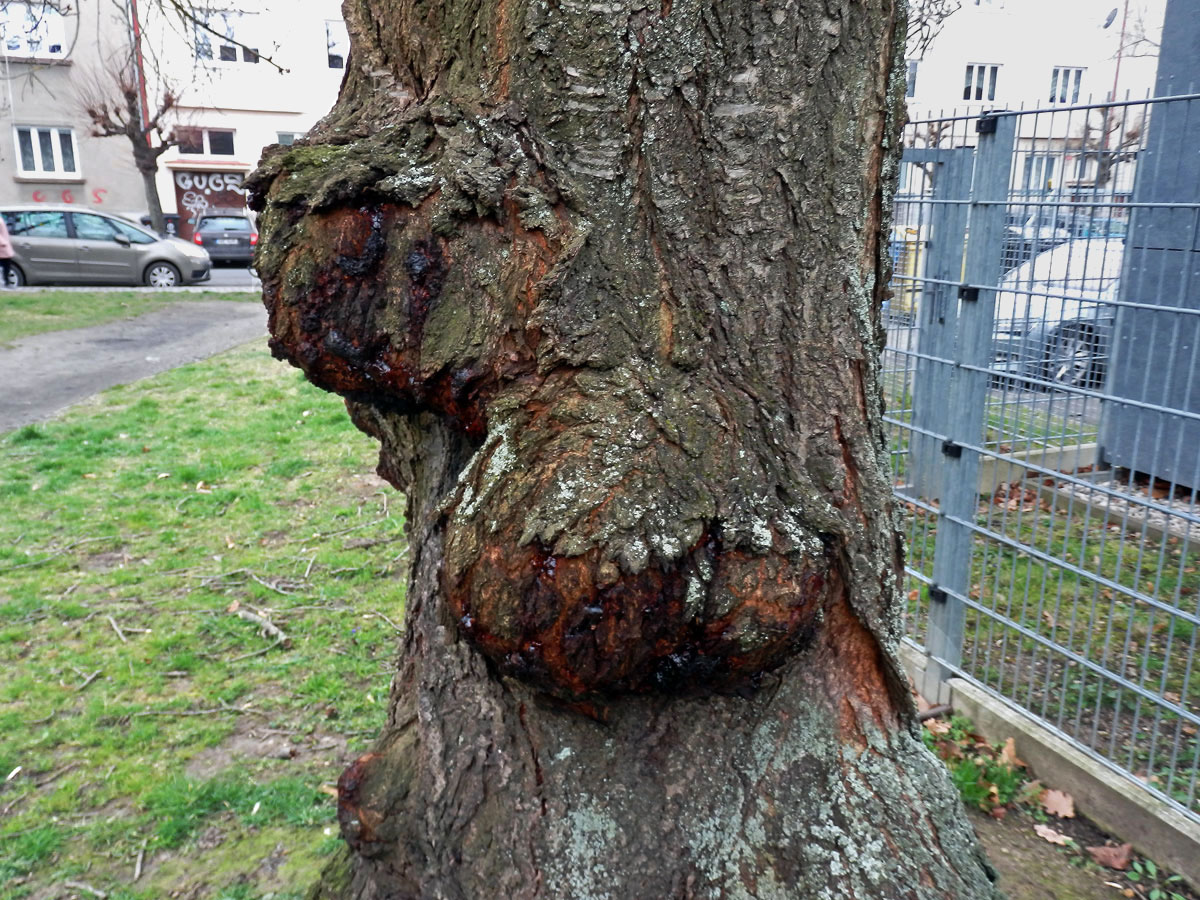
column 23, row 313
column 149, row 723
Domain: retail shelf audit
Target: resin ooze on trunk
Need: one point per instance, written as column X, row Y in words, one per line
column 630, row 289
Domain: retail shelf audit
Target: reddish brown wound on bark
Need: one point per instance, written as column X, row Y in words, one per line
column 358, row 822
column 556, row 622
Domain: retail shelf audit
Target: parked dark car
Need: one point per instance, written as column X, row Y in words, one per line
column 70, row 245
column 1054, row 314
column 227, row 238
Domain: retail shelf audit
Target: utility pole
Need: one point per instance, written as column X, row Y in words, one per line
column 139, row 66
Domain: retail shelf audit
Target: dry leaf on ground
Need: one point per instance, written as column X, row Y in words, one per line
column 1113, row 857
column 1058, row 803
column 1009, row 757
column 937, row 726
column 1047, row 833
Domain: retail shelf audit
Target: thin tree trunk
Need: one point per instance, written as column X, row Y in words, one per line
column 150, row 182
column 604, row 280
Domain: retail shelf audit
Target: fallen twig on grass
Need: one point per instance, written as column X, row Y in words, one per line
column 223, row 708
column 89, row 680
column 117, row 629
column 380, row 615
column 141, row 858
column 252, row 654
column 71, row 546
column 87, row 888
column 266, row 625
column 55, row 775
column 269, row 586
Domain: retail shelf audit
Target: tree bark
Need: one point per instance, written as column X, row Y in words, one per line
column 158, row 221
column 604, row 281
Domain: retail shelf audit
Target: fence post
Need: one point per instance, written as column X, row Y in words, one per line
column 950, row 172
column 966, row 400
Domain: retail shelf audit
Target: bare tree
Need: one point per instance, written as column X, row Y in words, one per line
column 1110, row 136
column 112, row 98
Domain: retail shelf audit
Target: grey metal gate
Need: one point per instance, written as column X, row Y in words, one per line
column 1061, row 578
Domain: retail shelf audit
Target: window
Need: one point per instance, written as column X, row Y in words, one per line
column 200, row 141
column 46, row 152
column 1064, row 85
column 37, row 224
column 337, row 43
column 225, row 223
column 227, row 35
column 287, row 138
column 1039, row 173
column 135, row 234
column 980, row 83
column 220, row 143
column 90, row 227
column 911, row 89
column 32, row 29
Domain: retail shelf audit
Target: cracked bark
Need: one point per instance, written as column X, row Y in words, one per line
column 603, row 280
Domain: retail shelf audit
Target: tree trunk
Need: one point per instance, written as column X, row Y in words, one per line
column 150, row 182
column 604, row 280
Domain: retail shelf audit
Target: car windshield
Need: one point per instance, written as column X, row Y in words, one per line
column 225, row 223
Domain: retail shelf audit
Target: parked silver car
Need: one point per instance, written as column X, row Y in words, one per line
column 69, row 245
column 1054, row 314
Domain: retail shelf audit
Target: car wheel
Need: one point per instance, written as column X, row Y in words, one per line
column 162, row 275
column 16, row 277
column 1073, row 357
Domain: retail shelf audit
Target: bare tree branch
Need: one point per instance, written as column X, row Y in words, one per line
column 925, row 21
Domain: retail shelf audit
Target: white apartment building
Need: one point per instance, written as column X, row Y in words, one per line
column 260, row 74
column 1035, row 54
column 1045, row 56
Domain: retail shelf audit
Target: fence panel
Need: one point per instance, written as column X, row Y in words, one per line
column 1043, row 401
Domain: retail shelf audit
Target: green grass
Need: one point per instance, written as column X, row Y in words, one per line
column 138, row 711
column 23, row 313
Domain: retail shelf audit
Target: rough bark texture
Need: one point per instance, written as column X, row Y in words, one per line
column 602, row 278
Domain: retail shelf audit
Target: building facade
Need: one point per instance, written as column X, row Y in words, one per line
column 261, row 74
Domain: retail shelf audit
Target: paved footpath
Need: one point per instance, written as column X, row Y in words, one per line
column 46, row 373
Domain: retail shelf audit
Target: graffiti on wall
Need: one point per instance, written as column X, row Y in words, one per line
column 198, row 194
column 67, row 195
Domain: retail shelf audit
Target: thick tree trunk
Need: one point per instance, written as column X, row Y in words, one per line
column 603, row 280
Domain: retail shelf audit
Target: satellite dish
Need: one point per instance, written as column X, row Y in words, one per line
column 1111, row 16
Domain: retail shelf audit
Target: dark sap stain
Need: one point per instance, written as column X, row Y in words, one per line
column 358, row 266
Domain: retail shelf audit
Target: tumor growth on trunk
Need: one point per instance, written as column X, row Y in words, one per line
column 603, row 281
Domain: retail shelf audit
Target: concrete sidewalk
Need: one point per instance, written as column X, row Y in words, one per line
column 43, row 374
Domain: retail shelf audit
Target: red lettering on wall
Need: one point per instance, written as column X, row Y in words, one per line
column 67, row 197
column 98, row 195
column 39, row 196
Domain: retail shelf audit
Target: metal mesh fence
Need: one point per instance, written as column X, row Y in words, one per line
column 1043, row 396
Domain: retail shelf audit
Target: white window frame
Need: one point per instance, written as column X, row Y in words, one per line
column 32, row 30
column 1061, row 88
column 57, row 173
column 980, row 82
column 206, row 144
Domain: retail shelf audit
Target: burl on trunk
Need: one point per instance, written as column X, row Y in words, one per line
column 603, row 280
